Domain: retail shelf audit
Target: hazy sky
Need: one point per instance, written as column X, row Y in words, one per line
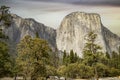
column 51, row 12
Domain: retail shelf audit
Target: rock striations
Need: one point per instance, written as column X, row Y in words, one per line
column 69, row 36
column 21, row 27
column 74, row 27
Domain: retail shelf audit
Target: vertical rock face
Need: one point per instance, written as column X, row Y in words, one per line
column 21, row 27
column 111, row 40
column 69, row 36
column 74, row 27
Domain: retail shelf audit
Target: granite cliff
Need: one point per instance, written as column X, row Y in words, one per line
column 21, row 27
column 74, row 27
column 70, row 35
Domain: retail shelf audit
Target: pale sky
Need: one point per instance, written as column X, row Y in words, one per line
column 51, row 12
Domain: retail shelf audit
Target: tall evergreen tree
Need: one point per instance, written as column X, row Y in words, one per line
column 76, row 57
column 107, row 55
column 5, row 59
column 64, row 57
column 72, row 57
column 37, row 35
column 119, row 50
column 91, row 52
column 108, row 59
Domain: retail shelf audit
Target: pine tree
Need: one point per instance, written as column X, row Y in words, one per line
column 107, row 55
column 119, row 61
column 37, row 35
column 76, row 57
column 5, row 59
column 108, row 59
column 64, row 57
column 72, row 57
column 91, row 52
column 119, row 50
column 5, row 15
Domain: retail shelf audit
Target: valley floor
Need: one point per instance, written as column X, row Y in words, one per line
column 109, row 78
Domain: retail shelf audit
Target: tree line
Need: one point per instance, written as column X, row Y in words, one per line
column 93, row 64
column 36, row 61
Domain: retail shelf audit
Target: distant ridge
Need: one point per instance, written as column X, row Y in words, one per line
column 70, row 34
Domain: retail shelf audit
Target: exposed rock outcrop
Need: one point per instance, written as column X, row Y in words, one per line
column 70, row 35
column 21, row 27
column 74, row 27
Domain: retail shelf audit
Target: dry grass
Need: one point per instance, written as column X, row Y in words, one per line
column 6, row 78
column 80, row 79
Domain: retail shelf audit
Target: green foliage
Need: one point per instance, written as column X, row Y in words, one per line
column 76, row 70
column 119, row 50
column 5, row 61
column 113, row 63
column 113, row 72
column 16, row 69
column 64, row 58
column 71, row 71
column 115, row 60
column 51, row 71
column 107, row 55
column 101, row 63
column 91, row 53
column 5, row 15
column 33, row 55
column 39, row 70
column 76, row 58
column 102, row 70
column 118, row 59
column 36, row 60
column 85, row 71
column 37, row 35
column 2, row 36
column 72, row 57
column 54, row 59
column 62, row 70
column 114, row 54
